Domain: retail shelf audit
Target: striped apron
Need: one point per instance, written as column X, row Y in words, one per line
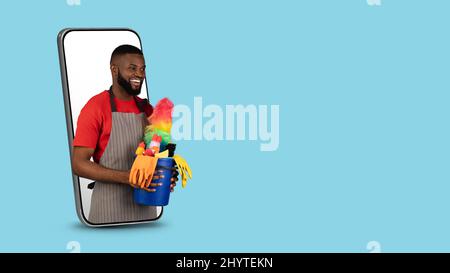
column 113, row 202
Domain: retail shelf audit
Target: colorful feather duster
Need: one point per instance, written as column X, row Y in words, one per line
column 160, row 123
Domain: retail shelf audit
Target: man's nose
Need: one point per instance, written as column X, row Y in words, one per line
column 140, row 73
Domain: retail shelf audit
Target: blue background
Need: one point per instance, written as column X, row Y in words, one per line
column 364, row 140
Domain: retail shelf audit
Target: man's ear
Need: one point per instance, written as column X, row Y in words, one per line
column 114, row 69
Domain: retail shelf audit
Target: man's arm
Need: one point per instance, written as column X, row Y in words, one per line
column 84, row 167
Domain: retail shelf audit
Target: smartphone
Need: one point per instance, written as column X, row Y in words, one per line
column 84, row 56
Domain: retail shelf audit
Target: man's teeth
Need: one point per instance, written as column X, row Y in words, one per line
column 135, row 81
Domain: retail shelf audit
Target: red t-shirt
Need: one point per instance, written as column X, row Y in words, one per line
column 95, row 120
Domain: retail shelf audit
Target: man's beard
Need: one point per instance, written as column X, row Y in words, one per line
column 127, row 86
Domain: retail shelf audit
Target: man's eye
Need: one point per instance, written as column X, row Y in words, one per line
column 133, row 68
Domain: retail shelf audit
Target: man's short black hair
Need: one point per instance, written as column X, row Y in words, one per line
column 125, row 49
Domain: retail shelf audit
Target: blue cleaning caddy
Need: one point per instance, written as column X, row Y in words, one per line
column 160, row 197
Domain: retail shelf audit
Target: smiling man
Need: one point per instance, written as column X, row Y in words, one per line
column 109, row 129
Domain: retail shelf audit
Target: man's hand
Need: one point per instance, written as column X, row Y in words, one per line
column 159, row 175
column 173, row 180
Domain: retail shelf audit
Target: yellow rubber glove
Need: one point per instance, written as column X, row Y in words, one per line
column 142, row 170
column 162, row 154
column 184, row 169
column 140, row 151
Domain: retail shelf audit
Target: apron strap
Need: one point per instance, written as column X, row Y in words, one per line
column 111, row 100
column 140, row 104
